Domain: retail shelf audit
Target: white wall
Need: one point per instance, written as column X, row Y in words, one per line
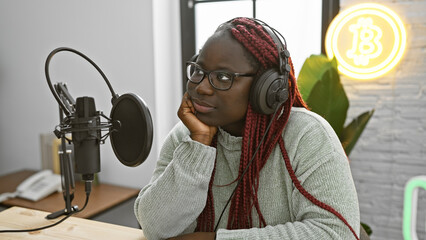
column 116, row 35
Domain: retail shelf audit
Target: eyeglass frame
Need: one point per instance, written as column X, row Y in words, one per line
column 205, row 72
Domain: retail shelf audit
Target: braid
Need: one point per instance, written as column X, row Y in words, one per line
column 298, row 101
column 257, row 42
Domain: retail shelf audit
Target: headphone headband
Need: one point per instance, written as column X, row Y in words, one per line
column 283, row 54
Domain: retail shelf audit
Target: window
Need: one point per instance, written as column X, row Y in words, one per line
column 209, row 15
column 303, row 23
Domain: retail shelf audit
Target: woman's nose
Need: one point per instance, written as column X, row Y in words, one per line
column 204, row 87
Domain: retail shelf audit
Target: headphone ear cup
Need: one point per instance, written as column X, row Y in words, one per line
column 268, row 92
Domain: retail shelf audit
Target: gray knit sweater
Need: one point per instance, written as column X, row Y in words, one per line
column 170, row 204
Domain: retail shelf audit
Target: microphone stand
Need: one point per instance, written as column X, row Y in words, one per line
column 67, row 171
column 66, row 107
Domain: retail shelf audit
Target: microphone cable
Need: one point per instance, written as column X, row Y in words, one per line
column 53, row 224
column 52, row 89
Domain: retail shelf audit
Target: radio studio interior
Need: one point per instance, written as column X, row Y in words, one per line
column 109, row 131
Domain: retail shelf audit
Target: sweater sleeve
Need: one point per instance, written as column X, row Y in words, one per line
column 170, row 204
column 322, row 168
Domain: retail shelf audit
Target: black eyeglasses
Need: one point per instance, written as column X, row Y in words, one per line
column 220, row 80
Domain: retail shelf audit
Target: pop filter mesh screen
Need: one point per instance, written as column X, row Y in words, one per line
column 132, row 142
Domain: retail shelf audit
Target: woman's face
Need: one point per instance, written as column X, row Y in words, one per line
column 226, row 109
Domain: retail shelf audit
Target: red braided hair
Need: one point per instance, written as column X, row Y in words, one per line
column 254, row 38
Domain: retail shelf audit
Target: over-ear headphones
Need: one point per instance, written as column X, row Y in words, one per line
column 270, row 90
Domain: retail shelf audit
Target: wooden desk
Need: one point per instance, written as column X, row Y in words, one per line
column 103, row 196
column 72, row 228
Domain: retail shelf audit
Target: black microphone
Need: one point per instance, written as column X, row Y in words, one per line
column 86, row 136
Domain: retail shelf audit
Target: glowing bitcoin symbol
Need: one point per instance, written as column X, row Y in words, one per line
column 366, row 41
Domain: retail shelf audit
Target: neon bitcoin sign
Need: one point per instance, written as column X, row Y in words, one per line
column 368, row 40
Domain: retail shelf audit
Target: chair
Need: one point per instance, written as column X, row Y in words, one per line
column 363, row 234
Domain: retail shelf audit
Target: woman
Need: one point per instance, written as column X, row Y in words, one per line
column 289, row 171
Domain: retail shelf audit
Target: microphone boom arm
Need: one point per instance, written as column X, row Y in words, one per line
column 52, row 89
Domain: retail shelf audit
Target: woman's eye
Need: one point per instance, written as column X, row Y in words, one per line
column 223, row 77
column 198, row 71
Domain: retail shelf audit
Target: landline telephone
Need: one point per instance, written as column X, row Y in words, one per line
column 36, row 187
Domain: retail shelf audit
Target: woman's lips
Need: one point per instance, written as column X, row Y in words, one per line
column 202, row 107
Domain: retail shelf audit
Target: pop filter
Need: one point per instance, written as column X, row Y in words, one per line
column 132, row 139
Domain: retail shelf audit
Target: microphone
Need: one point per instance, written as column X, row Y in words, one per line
column 86, row 136
column 130, row 124
column 130, row 127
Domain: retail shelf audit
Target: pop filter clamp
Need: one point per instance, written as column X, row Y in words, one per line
column 129, row 116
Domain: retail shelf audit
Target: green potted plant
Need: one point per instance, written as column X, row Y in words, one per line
column 320, row 86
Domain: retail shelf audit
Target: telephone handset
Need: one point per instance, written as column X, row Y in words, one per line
column 36, row 187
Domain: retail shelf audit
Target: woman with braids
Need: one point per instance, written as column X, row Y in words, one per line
column 285, row 175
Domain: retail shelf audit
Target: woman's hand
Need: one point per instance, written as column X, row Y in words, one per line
column 195, row 236
column 200, row 132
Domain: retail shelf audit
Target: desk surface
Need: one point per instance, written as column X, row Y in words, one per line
column 102, row 197
column 72, row 228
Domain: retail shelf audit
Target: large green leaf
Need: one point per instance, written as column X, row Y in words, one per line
column 352, row 132
column 328, row 99
column 312, row 70
column 367, row 228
